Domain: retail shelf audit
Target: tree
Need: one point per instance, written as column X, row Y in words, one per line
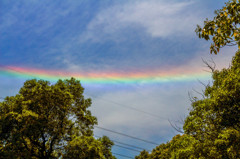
column 106, row 147
column 84, row 147
column 180, row 147
column 224, row 28
column 212, row 128
column 87, row 147
column 44, row 121
column 215, row 120
column 143, row 155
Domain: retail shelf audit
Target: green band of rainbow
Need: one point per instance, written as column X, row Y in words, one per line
column 107, row 77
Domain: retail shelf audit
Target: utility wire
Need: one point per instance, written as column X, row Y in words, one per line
column 136, row 138
column 123, row 133
column 140, row 148
column 129, row 145
column 135, row 109
column 122, row 155
column 127, row 148
column 128, row 107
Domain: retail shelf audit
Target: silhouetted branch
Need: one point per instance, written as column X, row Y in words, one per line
column 176, row 127
column 210, row 64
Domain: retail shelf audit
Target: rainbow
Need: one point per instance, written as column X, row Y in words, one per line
column 153, row 76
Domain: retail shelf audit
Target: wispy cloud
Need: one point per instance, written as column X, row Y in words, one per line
column 106, row 36
column 34, row 16
column 156, row 99
column 156, row 18
column 160, row 100
column 57, row 35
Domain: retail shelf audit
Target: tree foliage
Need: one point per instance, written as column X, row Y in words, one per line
column 87, row 147
column 47, row 121
column 212, row 128
column 215, row 120
column 180, row 147
column 224, row 29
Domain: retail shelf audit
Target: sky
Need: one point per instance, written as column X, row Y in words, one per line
column 138, row 60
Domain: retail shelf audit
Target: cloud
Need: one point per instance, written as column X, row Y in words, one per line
column 164, row 101
column 142, row 34
column 156, row 18
column 34, row 16
column 221, row 60
column 47, row 34
column 153, row 99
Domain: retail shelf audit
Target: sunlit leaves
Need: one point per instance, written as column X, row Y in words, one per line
column 224, row 29
column 212, row 128
column 43, row 119
column 215, row 120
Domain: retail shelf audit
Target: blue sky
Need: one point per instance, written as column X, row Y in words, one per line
column 119, row 36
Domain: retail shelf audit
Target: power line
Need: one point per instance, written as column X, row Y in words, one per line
column 127, row 148
column 128, row 107
column 140, row 148
column 136, row 138
column 135, row 109
column 122, row 155
column 129, row 145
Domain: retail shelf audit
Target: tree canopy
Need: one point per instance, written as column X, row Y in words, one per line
column 212, row 128
column 224, row 29
column 215, row 120
column 50, row 121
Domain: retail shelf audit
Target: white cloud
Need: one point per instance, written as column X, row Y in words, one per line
column 221, row 60
column 159, row 100
column 167, row 101
column 157, row 18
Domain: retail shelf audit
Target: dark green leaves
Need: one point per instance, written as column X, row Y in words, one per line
column 49, row 121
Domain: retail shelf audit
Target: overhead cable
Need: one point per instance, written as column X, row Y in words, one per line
column 127, row 148
column 129, row 107
column 133, row 137
column 140, row 148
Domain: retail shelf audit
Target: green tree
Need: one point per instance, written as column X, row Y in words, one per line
column 84, row 147
column 106, row 147
column 215, row 120
column 224, row 29
column 180, row 147
column 44, row 121
column 143, row 155
column 212, row 128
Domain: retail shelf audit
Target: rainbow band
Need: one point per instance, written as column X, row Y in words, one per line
column 107, row 77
